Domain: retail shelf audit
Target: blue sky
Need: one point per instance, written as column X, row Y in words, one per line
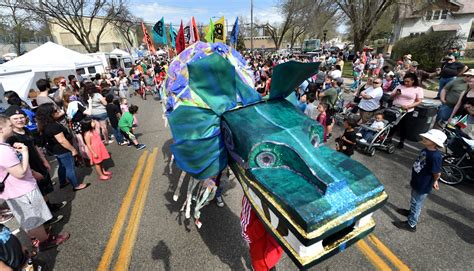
column 202, row 10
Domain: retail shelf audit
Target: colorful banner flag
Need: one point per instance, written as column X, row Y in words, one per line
column 180, row 39
column 195, row 32
column 173, row 35
column 209, row 30
column 219, row 30
column 234, row 35
column 147, row 40
column 159, row 32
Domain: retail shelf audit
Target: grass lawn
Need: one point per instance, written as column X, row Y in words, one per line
column 469, row 62
column 347, row 70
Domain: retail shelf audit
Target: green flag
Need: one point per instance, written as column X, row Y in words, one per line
column 210, row 32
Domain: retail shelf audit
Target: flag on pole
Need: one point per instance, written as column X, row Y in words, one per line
column 180, row 39
column 219, row 30
column 147, row 40
column 195, row 32
column 462, row 123
column 159, row 32
column 173, row 35
column 210, row 32
column 234, row 35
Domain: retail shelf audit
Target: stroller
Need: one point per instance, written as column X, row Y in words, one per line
column 381, row 138
column 458, row 159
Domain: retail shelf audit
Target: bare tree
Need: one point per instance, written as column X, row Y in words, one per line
column 126, row 25
column 86, row 20
column 291, row 10
column 363, row 16
column 18, row 23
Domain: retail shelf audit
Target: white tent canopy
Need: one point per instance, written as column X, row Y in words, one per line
column 120, row 52
column 51, row 57
column 48, row 60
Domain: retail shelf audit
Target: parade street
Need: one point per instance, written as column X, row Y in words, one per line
column 131, row 222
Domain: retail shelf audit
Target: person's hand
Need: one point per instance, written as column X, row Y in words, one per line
column 38, row 176
column 74, row 152
column 436, row 185
column 95, row 156
column 47, row 165
column 438, row 70
column 405, row 107
column 20, row 147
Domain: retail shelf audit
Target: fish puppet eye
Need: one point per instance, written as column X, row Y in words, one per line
column 265, row 159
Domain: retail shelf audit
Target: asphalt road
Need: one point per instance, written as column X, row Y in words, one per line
column 166, row 241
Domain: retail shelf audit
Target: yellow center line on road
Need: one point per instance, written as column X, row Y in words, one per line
column 372, row 256
column 125, row 255
column 388, row 253
column 122, row 215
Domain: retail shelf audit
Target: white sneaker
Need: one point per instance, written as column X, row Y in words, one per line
column 219, row 201
column 363, row 140
column 359, row 134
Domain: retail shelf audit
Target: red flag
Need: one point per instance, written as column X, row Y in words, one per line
column 147, row 40
column 180, row 43
column 195, row 30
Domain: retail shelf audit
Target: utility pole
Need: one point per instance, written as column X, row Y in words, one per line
column 251, row 25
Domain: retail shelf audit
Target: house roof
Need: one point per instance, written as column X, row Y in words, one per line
column 446, row 27
column 455, row 6
column 466, row 6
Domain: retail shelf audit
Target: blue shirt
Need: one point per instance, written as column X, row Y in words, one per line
column 427, row 164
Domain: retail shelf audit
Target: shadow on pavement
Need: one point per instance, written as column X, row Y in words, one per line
column 391, row 213
column 458, row 209
column 222, row 235
column 162, row 252
column 464, row 231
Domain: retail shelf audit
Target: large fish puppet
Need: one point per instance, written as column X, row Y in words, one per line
column 313, row 200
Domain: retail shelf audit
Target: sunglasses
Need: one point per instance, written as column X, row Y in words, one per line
column 377, row 82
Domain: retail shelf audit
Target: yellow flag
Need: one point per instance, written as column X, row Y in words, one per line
column 220, row 31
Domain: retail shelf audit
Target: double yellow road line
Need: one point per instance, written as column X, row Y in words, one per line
column 125, row 253
column 375, row 259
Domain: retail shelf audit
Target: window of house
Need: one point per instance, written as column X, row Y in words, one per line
column 91, row 70
column 444, row 14
column 428, row 15
column 471, row 34
column 436, row 15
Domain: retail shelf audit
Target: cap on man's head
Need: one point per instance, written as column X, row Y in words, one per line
column 469, row 72
column 14, row 110
column 415, row 63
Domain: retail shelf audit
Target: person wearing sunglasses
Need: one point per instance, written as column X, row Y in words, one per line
column 370, row 100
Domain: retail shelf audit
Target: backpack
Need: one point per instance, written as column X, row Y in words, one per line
column 31, row 125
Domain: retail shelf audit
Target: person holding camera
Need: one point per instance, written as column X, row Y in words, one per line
column 19, row 189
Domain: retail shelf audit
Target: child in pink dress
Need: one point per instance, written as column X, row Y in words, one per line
column 322, row 117
column 97, row 151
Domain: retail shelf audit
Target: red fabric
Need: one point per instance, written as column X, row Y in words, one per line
column 265, row 252
column 147, row 40
column 180, row 42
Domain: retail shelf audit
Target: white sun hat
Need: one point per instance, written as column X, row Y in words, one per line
column 435, row 135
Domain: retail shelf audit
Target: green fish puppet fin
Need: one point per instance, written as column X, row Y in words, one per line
column 287, row 76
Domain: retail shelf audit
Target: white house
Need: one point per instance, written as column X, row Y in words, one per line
column 448, row 16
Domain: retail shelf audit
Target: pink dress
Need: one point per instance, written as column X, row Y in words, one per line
column 99, row 148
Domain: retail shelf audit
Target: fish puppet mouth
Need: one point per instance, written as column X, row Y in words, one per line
column 305, row 247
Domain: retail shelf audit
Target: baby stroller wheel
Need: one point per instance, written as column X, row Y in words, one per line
column 451, row 174
column 390, row 148
column 370, row 151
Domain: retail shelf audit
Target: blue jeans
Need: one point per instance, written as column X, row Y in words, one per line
column 416, row 203
column 442, row 82
column 118, row 135
column 67, row 169
column 444, row 112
